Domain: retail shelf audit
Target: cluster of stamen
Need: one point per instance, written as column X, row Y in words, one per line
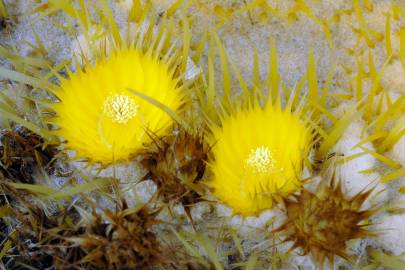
column 120, row 108
column 261, row 160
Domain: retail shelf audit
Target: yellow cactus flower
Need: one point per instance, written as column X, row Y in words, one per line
column 105, row 122
column 258, row 156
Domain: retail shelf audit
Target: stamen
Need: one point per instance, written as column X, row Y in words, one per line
column 120, row 108
column 261, row 160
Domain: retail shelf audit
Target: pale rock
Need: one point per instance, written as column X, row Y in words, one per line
column 128, row 173
column 353, row 180
column 125, row 5
column 250, row 226
column 398, row 151
column 391, row 228
column 85, row 45
column 393, row 78
column 20, row 97
column 393, row 96
column 192, row 70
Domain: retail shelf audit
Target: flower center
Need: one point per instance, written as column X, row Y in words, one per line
column 261, row 160
column 120, row 108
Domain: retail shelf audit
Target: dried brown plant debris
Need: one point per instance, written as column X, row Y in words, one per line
column 22, row 152
column 75, row 238
column 7, row 25
column 38, row 238
column 322, row 223
column 176, row 164
column 89, row 240
column 127, row 239
column 7, row 21
column 121, row 240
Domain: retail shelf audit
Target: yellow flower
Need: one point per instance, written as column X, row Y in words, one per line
column 257, row 157
column 105, row 122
